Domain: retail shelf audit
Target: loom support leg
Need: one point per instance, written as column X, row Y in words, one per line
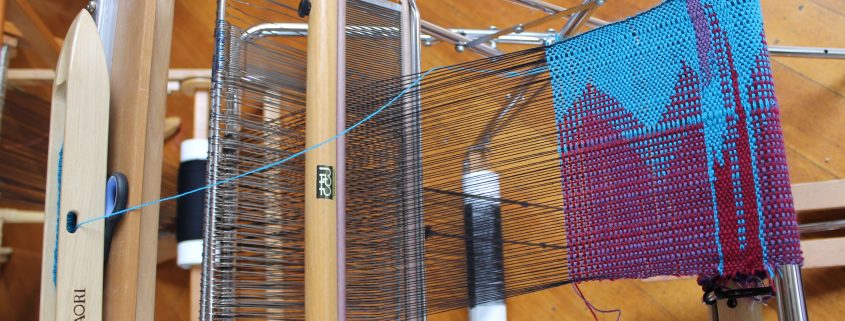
column 790, row 294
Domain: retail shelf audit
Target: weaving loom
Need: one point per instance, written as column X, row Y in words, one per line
column 648, row 147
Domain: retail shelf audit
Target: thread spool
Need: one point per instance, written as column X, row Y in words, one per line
column 485, row 263
column 191, row 208
column 193, row 157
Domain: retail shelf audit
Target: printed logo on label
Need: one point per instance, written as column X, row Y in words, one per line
column 78, row 305
column 325, row 189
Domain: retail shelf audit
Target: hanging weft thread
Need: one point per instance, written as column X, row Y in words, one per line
column 592, row 308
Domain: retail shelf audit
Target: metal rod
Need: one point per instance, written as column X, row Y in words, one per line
column 790, row 296
column 521, row 27
column 808, row 52
column 221, row 10
column 207, row 305
column 525, row 38
column 539, row 38
column 553, row 8
column 578, row 19
column 4, row 68
column 413, row 187
column 463, row 37
column 453, row 36
column 821, row 226
column 105, row 15
column 534, row 38
column 276, row 29
column 714, row 312
column 460, row 41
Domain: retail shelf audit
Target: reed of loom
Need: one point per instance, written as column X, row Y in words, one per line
column 274, row 194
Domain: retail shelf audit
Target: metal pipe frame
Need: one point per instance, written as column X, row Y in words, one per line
column 521, row 27
column 5, row 53
column 807, row 52
column 578, row 19
column 461, row 38
column 207, row 307
column 821, row 226
column 105, row 15
column 415, row 280
column 790, row 294
column 460, row 41
column 553, row 8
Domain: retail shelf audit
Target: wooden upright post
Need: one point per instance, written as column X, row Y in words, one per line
column 320, row 164
column 140, row 61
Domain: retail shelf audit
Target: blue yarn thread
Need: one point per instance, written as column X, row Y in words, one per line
column 58, row 215
column 265, row 167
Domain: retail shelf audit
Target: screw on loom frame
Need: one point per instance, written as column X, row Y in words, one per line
column 91, row 7
column 460, row 46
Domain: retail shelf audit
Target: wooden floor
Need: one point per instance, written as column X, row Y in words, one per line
column 811, row 94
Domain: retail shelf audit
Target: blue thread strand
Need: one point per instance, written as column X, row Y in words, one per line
column 58, row 215
column 268, row 166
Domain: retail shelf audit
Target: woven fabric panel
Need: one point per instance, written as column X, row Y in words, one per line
column 672, row 157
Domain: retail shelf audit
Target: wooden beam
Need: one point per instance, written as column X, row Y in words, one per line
column 320, row 203
column 196, row 273
column 34, row 30
column 818, row 253
column 138, row 80
column 166, row 249
column 13, row 215
column 15, row 75
column 821, row 253
column 2, row 17
column 817, row 196
column 24, row 74
column 171, row 126
column 11, row 29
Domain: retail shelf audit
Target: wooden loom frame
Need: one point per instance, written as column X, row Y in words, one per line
column 139, row 155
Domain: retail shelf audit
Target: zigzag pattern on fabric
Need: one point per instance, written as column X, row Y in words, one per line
column 671, row 149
